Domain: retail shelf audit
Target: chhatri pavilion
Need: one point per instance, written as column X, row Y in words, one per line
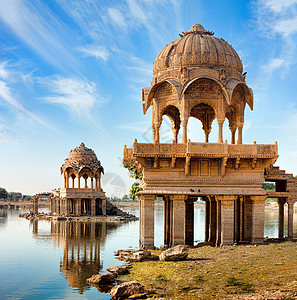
column 82, row 193
column 201, row 76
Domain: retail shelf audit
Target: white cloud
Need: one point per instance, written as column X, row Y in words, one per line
column 34, row 23
column 7, row 135
column 139, row 71
column 95, row 51
column 3, row 70
column 8, row 97
column 286, row 27
column 278, row 5
column 276, row 16
column 141, row 127
column 137, row 12
column 277, row 19
column 274, row 64
column 76, row 95
column 117, row 17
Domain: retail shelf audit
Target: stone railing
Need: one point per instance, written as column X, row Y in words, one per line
column 215, row 149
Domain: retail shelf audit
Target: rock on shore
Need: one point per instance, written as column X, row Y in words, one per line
column 101, row 279
column 126, row 289
column 179, row 252
column 118, row 270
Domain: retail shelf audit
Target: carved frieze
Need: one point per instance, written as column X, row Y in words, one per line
column 203, row 88
column 223, row 76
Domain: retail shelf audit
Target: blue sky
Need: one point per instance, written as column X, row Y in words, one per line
column 72, row 71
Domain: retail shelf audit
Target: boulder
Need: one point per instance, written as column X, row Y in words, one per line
column 121, row 252
column 126, row 289
column 141, row 255
column 118, row 270
column 179, row 252
column 101, row 279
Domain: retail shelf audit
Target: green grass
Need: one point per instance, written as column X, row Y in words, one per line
column 268, row 271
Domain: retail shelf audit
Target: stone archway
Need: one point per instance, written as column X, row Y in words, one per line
column 206, row 114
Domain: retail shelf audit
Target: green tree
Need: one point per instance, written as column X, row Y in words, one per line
column 3, row 193
column 136, row 173
column 27, row 198
column 13, row 196
column 268, row 186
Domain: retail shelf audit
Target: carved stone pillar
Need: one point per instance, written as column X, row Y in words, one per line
column 78, row 206
column 35, row 205
column 233, row 135
column 99, row 183
column 290, row 217
column 239, row 140
column 227, row 219
column 78, row 182
column 185, row 125
column 207, row 206
column 168, row 208
column 93, row 207
column 156, row 132
column 219, row 222
column 258, row 203
column 65, row 181
column 220, row 137
column 237, row 220
column 92, row 183
column 103, row 201
column 281, row 203
column 241, row 228
column 179, row 220
column 213, row 220
column 146, row 223
column 190, row 222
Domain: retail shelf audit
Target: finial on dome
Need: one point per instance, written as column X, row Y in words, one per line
column 82, row 144
column 198, row 28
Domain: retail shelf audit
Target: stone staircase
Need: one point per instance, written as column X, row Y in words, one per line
column 287, row 181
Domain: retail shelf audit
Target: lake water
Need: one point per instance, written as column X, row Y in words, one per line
column 52, row 260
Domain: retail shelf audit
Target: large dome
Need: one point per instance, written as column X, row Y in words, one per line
column 197, row 48
column 82, row 157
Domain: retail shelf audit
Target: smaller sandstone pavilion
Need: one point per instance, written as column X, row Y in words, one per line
column 201, row 76
column 84, row 196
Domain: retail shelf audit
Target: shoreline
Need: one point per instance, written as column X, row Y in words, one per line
column 120, row 204
column 265, row 271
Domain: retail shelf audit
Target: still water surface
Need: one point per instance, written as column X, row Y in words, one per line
column 52, row 260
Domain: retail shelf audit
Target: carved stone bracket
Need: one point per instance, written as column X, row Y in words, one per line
column 156, row 162
column 173, row 162
column 254, row 162
column 237, row 162
column 187, row 166
column 223, row 165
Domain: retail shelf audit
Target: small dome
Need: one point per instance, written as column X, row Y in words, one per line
column 197, row 48
column 81, row 157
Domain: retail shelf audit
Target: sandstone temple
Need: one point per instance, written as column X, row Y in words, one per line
column 201, row 76
column 82, row 193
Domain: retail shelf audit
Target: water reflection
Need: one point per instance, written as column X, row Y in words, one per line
column 85, row 246
column 3, row 217
column 80, row 243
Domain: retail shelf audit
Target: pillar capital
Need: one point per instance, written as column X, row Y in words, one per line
column 291, row 202
column 147, row 197
column 258, row 198
column 226, row 197
column 281, row 200
column 178, row 197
